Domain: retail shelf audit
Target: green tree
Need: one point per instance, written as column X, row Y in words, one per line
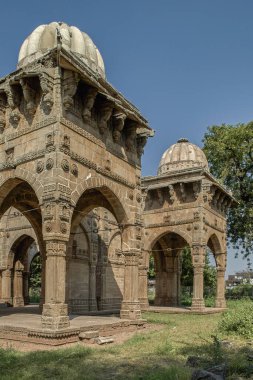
column 229, row 150
column 35, row 273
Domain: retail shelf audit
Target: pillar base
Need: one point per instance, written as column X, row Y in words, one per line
column 18, row 302
column 144, row 304
column 130, row 310
column 55, row 316
column 198, row 304
column 220, row 303
column 93, row 305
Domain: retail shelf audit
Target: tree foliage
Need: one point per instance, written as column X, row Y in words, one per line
column 229, row 150
column 35, row 273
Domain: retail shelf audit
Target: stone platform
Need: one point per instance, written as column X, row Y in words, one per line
column 183, row 310
column 24, row 324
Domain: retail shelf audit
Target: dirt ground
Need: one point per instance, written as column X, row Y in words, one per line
column 119, row 337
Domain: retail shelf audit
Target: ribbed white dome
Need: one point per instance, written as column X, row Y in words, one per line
column 44, row 38
column 182, row 155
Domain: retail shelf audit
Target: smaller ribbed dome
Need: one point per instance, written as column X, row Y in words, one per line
column 182, row 155
column 44, row 38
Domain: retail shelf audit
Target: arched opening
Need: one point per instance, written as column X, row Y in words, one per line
column 19, row 268
column 35, row 270
column 95, row 266
column 21, row 223
column 165, row 267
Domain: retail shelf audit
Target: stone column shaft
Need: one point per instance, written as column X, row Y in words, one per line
column 220, row 301
column 143, row 287
column 198, row 288
column 18, row 297
column 92, row 288
column 6, row 286
column 130, row 308
column 55, row 311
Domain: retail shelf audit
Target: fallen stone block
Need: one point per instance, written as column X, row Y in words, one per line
column 104, row 340
column 205, row 375
column 88, row 335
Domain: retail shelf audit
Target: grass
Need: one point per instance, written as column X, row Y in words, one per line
column 156, row 355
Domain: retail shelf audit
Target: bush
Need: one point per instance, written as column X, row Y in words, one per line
column 239, row 320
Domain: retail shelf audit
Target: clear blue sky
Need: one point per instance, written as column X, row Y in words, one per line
column 186, row 64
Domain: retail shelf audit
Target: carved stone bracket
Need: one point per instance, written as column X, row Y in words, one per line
column 13, row 98
column 172, row 194
column 182, row 191
column 88, row 104
column 196, row 189
column 131, row 137
column 2, row 114
column 118, row 125
column 141, row 142
column 70, row 84
column 29, row 96
column 47, row 93
column 105, row 114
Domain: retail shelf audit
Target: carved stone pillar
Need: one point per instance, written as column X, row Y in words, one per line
column 6, row 286
column 18, row 296
column 92, row 289
column 143, row 287
column 26, row 287
column 198, row 258
column 220, row 301
column 55, row 310
column 198, row 288
column 130, row 307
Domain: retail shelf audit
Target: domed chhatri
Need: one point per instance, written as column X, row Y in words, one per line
column 182, row 155
column 44, row 38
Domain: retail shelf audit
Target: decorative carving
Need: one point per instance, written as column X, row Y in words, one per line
column 108, row 165
column 70, row 84
column 118, row 125
column 40, row 167
column 49, row 163
column 14, row 118
column 74, row 170
column 131, row 137
column 105, row 114
column 50, row 139
column 65, row 165
column 48, row 226
column 47, row 96
column 9, row 156
column 88, row 104
column 63, row 228
column 29, row 95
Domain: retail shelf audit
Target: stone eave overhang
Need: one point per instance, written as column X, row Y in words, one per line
column 70, row 61
column 184, row 176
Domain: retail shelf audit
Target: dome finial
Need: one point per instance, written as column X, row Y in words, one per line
column 183, row 139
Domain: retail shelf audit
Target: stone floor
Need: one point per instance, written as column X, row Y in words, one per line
column 29, row 317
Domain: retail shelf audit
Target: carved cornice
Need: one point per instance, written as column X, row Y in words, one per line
column 214, row 226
